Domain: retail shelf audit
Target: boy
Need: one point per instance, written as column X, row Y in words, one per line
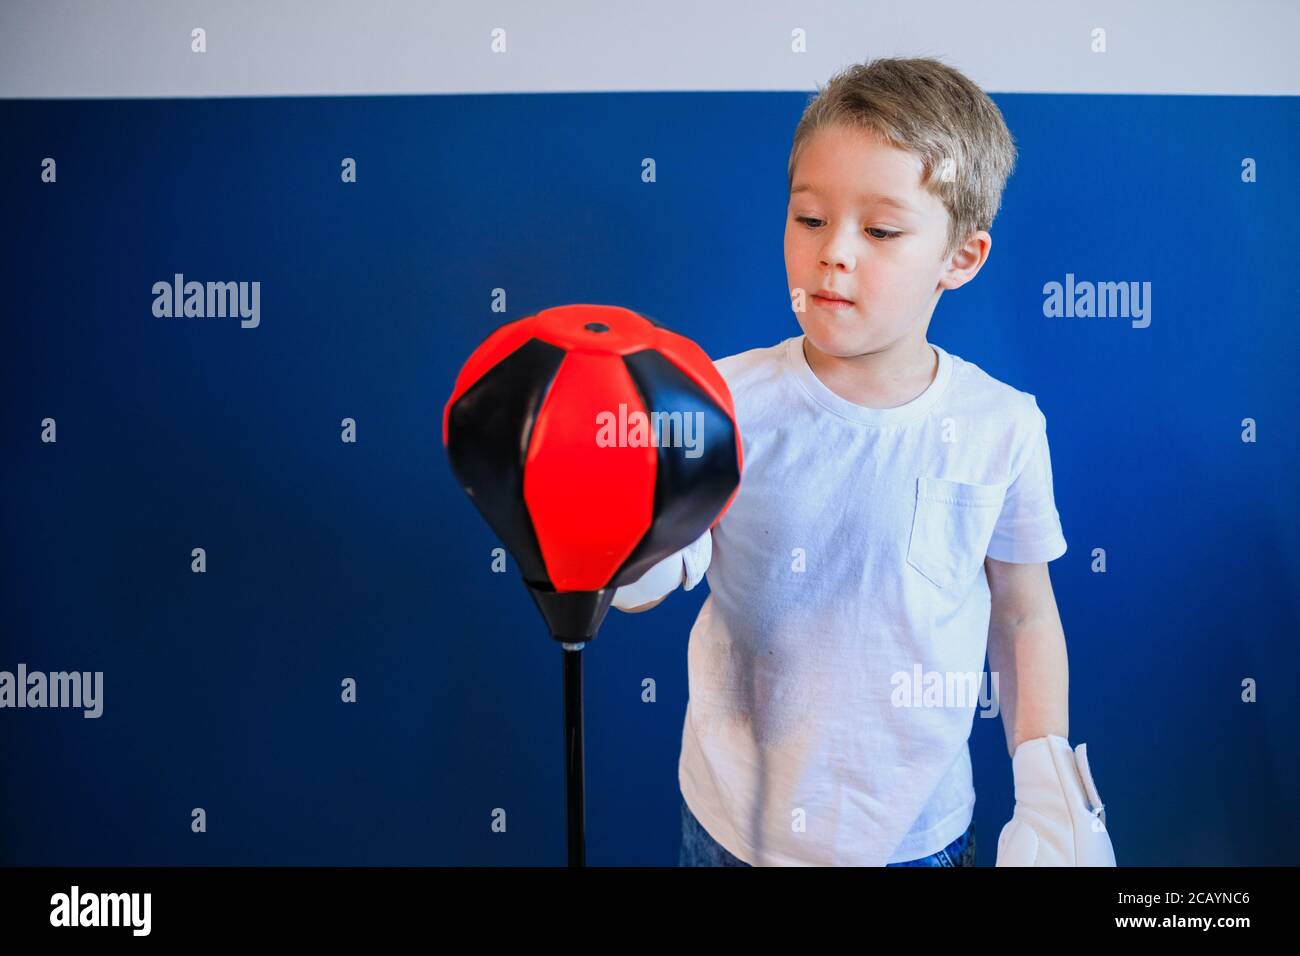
column 895, row 516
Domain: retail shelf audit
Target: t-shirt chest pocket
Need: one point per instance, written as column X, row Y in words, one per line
column 951, row 528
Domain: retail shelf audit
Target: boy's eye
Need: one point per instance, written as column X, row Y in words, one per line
column 884, row 234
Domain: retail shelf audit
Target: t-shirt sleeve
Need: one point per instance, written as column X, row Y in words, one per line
column 1028, row 530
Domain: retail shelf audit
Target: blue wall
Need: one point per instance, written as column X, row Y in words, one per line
column 329, row 560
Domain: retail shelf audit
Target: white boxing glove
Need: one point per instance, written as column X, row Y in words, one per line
column 1058, row 817
column 688, row 564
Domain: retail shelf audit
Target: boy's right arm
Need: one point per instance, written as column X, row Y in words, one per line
column 662, row 579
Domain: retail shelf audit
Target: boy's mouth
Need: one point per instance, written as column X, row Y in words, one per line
column 834, row 305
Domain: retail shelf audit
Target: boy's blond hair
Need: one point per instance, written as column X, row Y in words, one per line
column 925, row 107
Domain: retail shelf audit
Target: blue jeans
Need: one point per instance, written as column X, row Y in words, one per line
column 700, row 849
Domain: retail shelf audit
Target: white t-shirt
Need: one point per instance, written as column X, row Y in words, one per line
column 847, row 593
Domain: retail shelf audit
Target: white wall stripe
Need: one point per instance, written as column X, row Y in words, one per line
column 85, row 48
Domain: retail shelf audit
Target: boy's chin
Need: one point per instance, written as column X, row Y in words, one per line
column 839, row 346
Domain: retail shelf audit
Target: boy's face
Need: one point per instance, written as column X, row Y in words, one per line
column 842, row 234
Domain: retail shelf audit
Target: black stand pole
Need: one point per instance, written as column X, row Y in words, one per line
column 574, row 783
column 573, row 618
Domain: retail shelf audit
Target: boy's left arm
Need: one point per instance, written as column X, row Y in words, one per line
column 1057, row 819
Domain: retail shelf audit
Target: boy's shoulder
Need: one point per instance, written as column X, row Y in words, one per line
column 751, row 364
column 971, row 388
column 760, row 355
column 976, row 392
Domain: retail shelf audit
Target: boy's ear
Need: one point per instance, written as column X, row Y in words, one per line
column 969, row 258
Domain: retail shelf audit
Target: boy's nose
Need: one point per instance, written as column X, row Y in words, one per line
column 837, row 255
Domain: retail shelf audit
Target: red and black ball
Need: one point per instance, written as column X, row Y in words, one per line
column 527, row 433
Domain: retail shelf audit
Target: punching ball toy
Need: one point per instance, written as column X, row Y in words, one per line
column 595, row 443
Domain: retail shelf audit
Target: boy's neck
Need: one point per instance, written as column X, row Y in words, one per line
column 884, row 379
